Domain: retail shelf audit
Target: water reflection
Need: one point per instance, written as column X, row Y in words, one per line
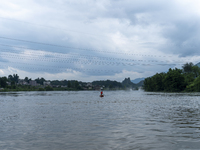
column 173, row 94
column 14, row 94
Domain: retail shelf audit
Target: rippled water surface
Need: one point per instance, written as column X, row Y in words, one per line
column 133, row 120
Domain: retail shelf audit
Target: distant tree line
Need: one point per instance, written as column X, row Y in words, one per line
column 108, row 84
column 11, row 78
column 69, row 83
column 125, row 84
column 175, row 80
column 14, row 82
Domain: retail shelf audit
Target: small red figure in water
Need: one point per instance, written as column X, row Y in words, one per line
column 101, row 93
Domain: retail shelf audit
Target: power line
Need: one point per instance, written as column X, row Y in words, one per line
column 54, row 45
column 70, row 56
column 61, row 46
column 75, row 61
column 60, row 69
column 77, row 57
column 80, row 55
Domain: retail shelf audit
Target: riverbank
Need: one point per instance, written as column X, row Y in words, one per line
column 48, row 88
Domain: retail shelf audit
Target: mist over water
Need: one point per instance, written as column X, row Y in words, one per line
column 82, row 120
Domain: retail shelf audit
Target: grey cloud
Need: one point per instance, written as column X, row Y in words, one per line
column 89, row 25
column 183, row 38
column 179, row 27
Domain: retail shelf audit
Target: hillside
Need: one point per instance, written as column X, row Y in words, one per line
column 128, row 84
column 198, row 64
column 137, row 80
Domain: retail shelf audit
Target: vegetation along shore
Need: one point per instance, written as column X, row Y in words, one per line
column 186, row 79
column 14, row 83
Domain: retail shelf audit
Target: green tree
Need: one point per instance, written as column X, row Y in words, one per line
column 197, row 84
column 196, row 71
column 40, row 80
column 10, row 78
column 174, row 81
column 3, row 82
column 69, row 84
column 12, row 83
column 158, row 81
column 109, row 84
column 187, row 68
column 13, row 77
column 16, row 77
column 26, row 79
column 77, row 86
column 48, row 88
column 154, row 83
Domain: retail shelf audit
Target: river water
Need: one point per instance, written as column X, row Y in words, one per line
column 127, row 120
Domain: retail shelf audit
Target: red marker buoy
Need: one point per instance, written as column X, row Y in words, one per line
column 101, row 93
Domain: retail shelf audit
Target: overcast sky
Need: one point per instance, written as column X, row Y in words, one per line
column 89, row 40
